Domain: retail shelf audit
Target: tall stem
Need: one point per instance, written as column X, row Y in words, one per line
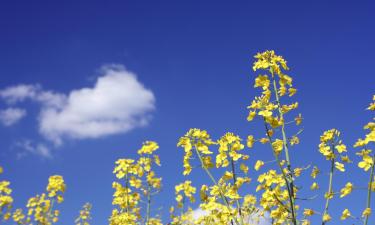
column 368, row 203
column 148, row 202
column 288, row 186
column 234, row 183
column 286, row 149
column 225, row 200
column 127, row 192
column 49, row 215
column 329, row 186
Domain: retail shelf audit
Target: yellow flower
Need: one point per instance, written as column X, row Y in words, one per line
column 315, row 172
column 366, row 162
column 186, row 188
column 251, row 116
column 329, row 135
column 55, row 184
column 207, row 162
column 294, row 140
column 366, row 212
column 277, row 146
column 84, row 215
column 244, row 168
column 297, row 172
column 298, row 119
column 306, row 222
column 269, row 60
column 229, row 146
column 345, row 214
column 262, row 81
column 292, row 91
column 250, row 141
column 340, row 148
column 308, row 212
column 372, row 105
column 314, row 186
column 265, row 113
column 346, row 190
column 148, row 147
column 326, row 217
column 345, row 158
column 249, row 200
column 18, row 216
column 228, row 175
column 340, row 166
column 258, row 164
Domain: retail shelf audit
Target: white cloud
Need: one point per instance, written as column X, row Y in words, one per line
column 19, row 92
column 116, row 103
column 11, row 116
column 254, row 219
column 31, row 147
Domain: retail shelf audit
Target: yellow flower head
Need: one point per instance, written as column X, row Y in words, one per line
column 345, row 214
column 148, row 147
column 366, row 212
column 269, row 60
column 55, row 184
column 346, row 190
column 308, row 212
column 258, row 164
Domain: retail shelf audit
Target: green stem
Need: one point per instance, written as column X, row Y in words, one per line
column 329, row 186
column 148, row 202
column 286, row 149
column 225, row 200
column 234, row 183
column 127, row 193
column 50, row 210
column 182, row 207
column 290, row 193
column 368, row 204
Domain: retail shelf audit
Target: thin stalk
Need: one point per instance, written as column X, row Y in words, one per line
column 50, row 210
column 127, row 193
column 290, row 193
column 225, row 200
column 286, row 149
column 329, row 186
column 368, row 203
column 182, row 207
column 148, row 202
column 234, row 183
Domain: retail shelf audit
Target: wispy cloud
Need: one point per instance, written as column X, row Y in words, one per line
column 11, row 116
column 19, row 93
column 117, row 103
column 30, row 147
column 255, row 218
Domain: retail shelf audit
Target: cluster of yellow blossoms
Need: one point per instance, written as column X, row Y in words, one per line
column 137, row 181
column 222, row 201
column 84, row 215
column 368, row 159
column 225, row 199
column 6, row 199
column 40, row 208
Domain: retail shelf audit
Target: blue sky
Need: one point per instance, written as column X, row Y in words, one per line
column 192, row 63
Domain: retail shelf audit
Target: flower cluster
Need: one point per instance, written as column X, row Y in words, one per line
column 84, row 215
column 40, row 208
column 137, row 180
column 6, row 199
column 367, row 162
